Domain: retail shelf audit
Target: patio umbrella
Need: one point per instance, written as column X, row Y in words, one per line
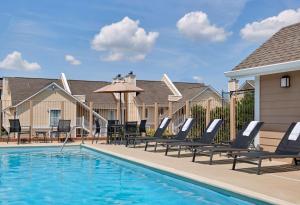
column 119, row 87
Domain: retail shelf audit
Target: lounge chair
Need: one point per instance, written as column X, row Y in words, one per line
column 157, row 135
column 241, row 143
column 180, row 137
column 142, row 127
column 289, row 147
column 63, row 127
column 15, row 127
column 206, row 139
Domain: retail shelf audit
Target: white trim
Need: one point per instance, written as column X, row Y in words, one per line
column 63, row 90
column 264, row 70
column 257, row 107
column 171, row 86
column 65, row 83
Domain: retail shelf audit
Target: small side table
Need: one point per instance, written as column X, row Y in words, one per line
column 43, row 133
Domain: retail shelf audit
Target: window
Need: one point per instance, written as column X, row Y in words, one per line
column 111, row 115
column 54, row 117
column 146, row 113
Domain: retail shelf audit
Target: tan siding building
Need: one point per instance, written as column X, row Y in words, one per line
column 275, row 104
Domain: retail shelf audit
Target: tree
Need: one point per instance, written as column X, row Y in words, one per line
column 245, row 109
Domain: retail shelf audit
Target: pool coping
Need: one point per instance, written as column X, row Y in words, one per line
column 210, row 183
column 196, row 178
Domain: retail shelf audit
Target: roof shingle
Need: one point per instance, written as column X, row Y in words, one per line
column 283, row 46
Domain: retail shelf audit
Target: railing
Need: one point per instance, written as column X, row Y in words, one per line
column 44, row 114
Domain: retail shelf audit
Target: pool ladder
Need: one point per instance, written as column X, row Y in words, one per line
column 66, row 140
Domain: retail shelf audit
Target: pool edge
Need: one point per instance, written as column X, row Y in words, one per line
column 198, row 179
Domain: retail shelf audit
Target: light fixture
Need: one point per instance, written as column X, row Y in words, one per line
column 285, row 81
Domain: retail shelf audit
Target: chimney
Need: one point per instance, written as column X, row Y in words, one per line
column 130, row 78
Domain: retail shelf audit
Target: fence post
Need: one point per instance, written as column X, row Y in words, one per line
column 118, row 111
column 187, row 109
column 62, row 110
column 232, row 117
column 30, row 119
column 155, row 115
column 143, row 111
column 91, row 119
column 208, row 108
column 170, row 115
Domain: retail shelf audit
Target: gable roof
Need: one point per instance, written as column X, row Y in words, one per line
column 154, row 91
column 22, row 88
column 283, row 46
column 247, row 85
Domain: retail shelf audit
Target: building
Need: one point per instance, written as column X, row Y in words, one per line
column 41, row 102
column 276, row 68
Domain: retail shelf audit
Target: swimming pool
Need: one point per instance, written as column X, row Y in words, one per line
column 81, row 176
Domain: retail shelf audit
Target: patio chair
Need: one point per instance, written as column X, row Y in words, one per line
column 289, row 147
column 64, row 127
column 241, row 143
column 112, row 130
column 180, row 137
column 15, row 127
column 97, row 131
column 207, row 138
column 157, row 135
column 4, row 134
column 131, row 129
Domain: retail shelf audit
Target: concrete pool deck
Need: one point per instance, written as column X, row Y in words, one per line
column 278, row 184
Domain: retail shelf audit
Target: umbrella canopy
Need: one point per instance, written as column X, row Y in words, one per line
column 119, row 87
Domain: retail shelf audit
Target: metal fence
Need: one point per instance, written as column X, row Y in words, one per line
column 45, row 114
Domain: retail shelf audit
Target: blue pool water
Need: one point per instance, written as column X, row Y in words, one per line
column 78, row 176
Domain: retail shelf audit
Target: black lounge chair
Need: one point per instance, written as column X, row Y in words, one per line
column 15, row 127
column 206, row 139
column 142, row 127
column 180, row 137
column 289, row 147
column 97, row 131
column 157, row 135
column 241, row 143
column 63, row 127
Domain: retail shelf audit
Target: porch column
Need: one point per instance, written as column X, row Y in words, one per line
column 143, row 111
column 232, row 87
column 118, row 111
column 91, row 119
column 257, row 108
column 187, row 109
column 208, row 112
column 155, row 115
column 232, row 117
column 30, row 120
column 170, row 115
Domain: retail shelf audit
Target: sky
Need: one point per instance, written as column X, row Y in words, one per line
column 189, row 40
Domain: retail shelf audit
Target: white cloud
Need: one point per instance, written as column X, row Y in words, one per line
column 261, row 30
column 72, row 60
column 14, row 61
column 198, row 79
column 196, row 25
column 124, row 40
